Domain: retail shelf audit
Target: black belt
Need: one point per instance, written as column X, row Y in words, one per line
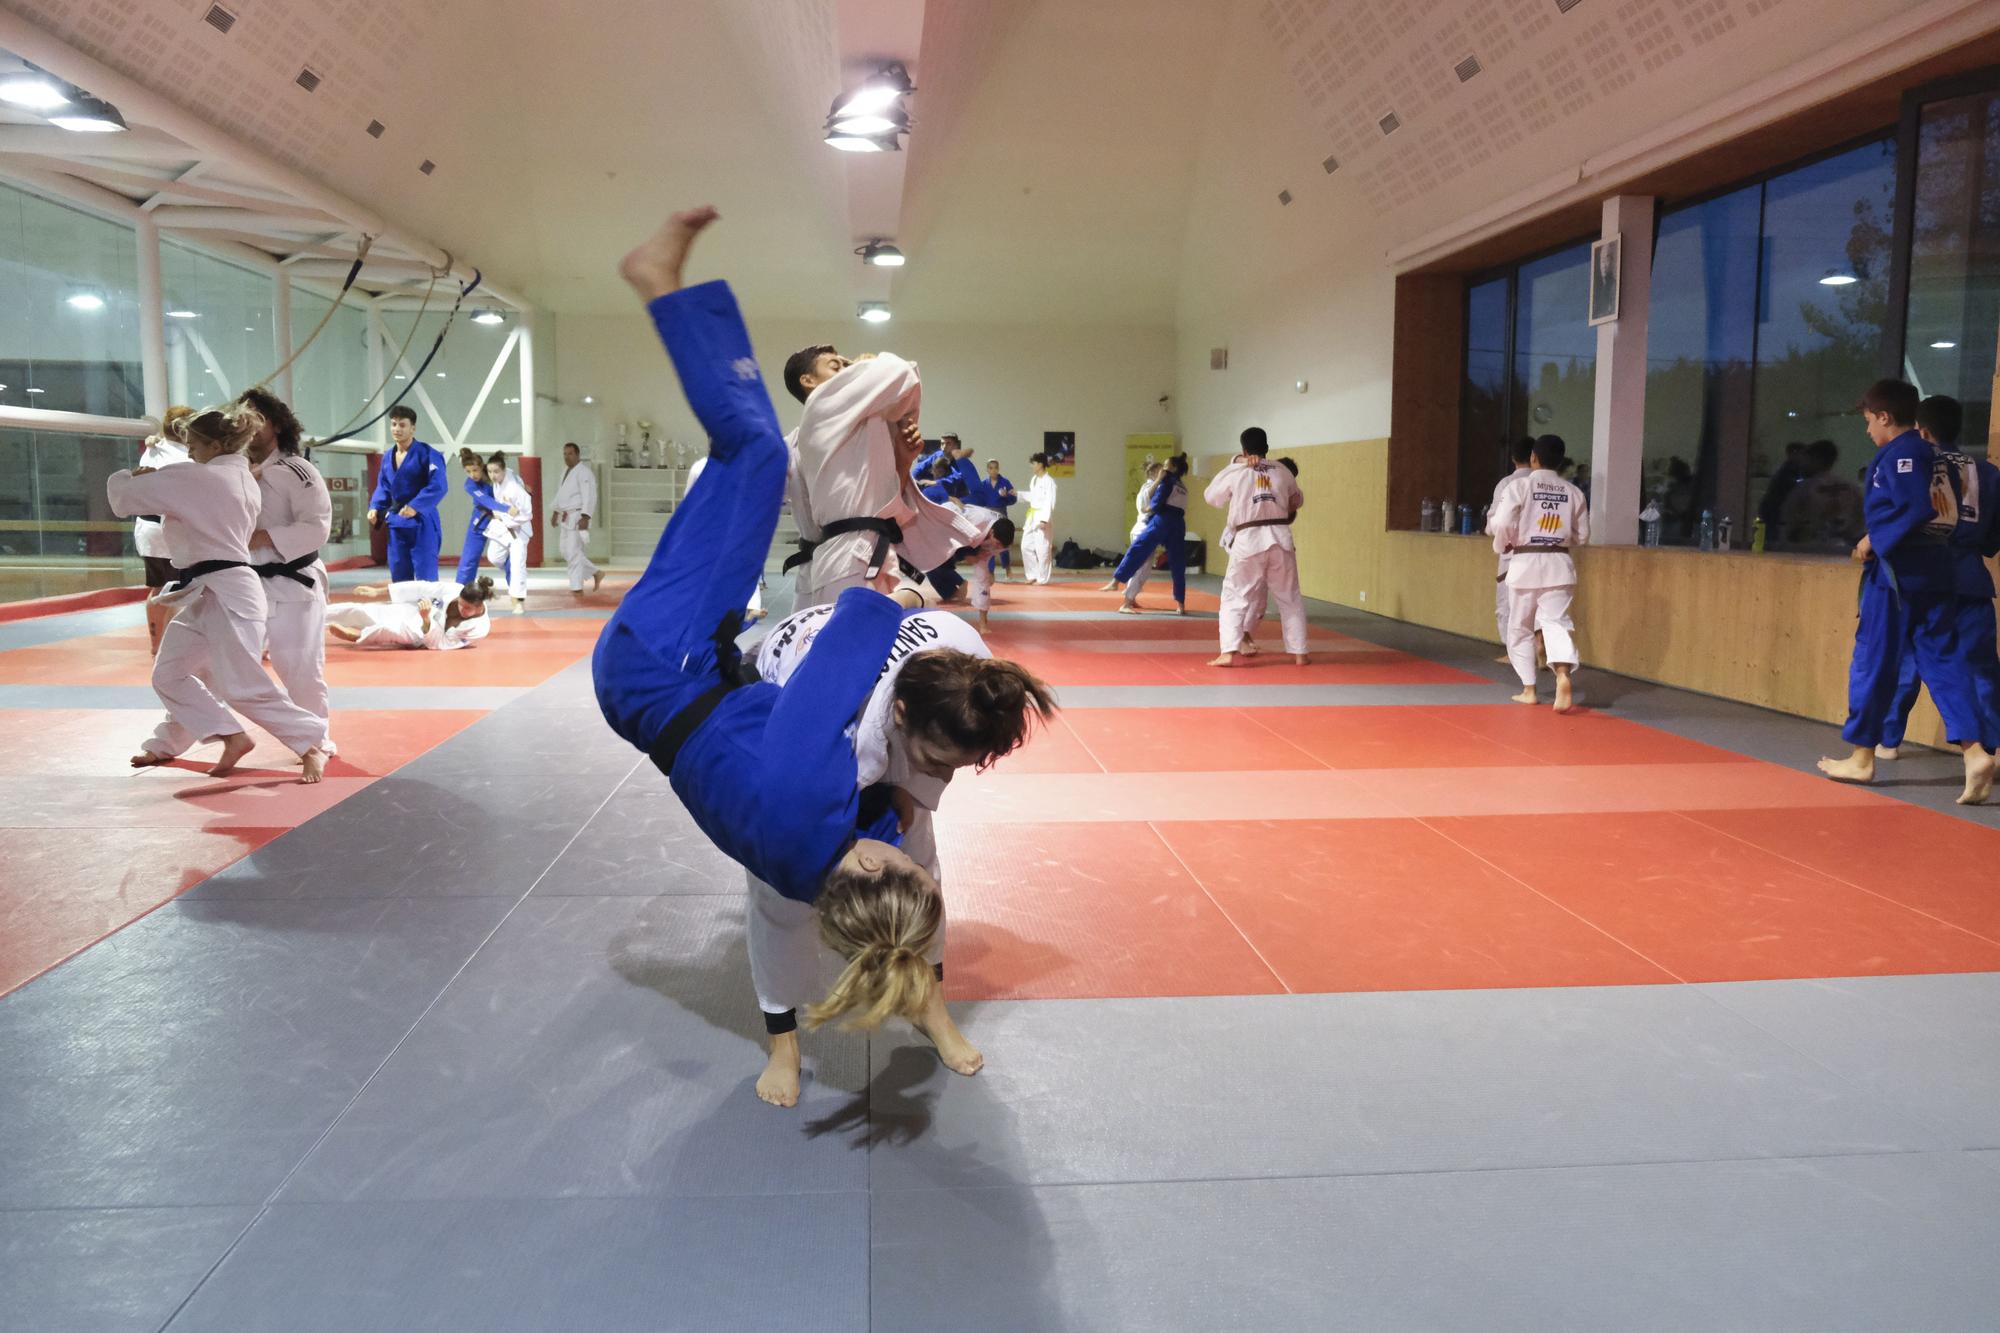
column 1265, row 523
column 888, row 533
column 734, row 672
column 291, row 569
column 803, row 556
column 201, row 569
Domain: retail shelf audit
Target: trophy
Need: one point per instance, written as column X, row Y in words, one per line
column 624, row 450
column 646, row 444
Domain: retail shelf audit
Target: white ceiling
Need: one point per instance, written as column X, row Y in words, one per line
column 1074, row 161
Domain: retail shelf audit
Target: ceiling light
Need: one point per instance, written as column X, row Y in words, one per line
column 249, row 329
column 881, row 254
column 182, row 314
column 874, row 312
column 89, row 115
column 32, row 89
column 84, row 301
column 588, row 400
column 38, row 391
column 402, row 376
column 489, row 317
column 1835, row 278
column 862, row 143
column 440, row 374
column 877, row 94
column 1944, row 345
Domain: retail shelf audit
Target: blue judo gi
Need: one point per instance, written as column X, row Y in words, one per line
column 1974, row 537
column 767, row 772
column 945, row 579
column 1166, row 523
column 418, row 484
column 1907, row 596
column 1004, row 497
column 484, row 507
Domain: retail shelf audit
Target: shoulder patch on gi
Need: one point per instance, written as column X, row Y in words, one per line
column 1906, row 465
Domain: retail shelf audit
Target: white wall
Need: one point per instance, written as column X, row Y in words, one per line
column 997, row 386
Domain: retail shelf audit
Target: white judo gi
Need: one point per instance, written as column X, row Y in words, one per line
column 297, row 519
column 1261, row 497
column 576, row 500
column 148, row 538
column 845, row 462
column 785, row 949
column 507, row 535
column 215, row 643
column 1539, row 523
column 1506, row 486
column 1140, row 576
column 694, row 475
column 415, row 616
column 1038, row 547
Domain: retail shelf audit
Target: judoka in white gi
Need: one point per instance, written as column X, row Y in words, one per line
column 1145, row 569
column 1538, row 524
column 214, row 645
column 575, row 507
column 1261, row 498
column 296, row 520
column 440, row 616
column 1038, row 551
column 1520, row 452
column 162, row 450
column 508, row 535
column 851, row 457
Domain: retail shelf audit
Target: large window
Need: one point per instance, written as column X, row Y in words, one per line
column 219, row 323
column 330, row 379
column 452, row 384
column 69, row 309
column 1952, row 319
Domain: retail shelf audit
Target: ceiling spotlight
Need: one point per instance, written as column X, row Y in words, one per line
column 862, row 143
column 182, row 314
column 38, row 391
column 1835, row 278
column 1944, row 345
column 881, row 254
column 89, row 115
column 870, row 123
column 588, row 400
column 489, row 317
column 877, row 94
column 874, row 312
column 32, row 89
column 84, row 301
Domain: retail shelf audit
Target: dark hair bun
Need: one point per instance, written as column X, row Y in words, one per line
column 486, row 583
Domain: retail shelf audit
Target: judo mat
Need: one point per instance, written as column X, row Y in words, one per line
column 1340, row 996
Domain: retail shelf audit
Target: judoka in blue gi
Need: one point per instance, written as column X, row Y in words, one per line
column 1166, row 524
column 1911, row 504
column 767, row 772
column 407, row 492
column 484, row 507
column 1974, row 538
column 1003, row 500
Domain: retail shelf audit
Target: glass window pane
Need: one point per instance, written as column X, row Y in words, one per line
column 220, row 337
column 1954, row 307
column 1699, row 344
column 1555, row 354
column 1483, row 420
column 69, row 309
column 1819, row 344
column 330, row 378
column 454, row 378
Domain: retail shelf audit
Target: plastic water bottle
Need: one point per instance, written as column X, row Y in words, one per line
column 1722, row 539
column 1649, row 524
column 1759, row 534
column 1465, row 520
column 1708, row 529
column 1430, row 519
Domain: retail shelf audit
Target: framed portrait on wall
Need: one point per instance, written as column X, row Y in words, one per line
column 1604, row 280
column 1060, row 446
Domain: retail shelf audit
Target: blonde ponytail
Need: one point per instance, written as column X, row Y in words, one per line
column 882, row 924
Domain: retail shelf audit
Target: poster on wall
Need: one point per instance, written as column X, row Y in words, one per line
column 1141, row 450
column 1604, row 281
column 1060, row 447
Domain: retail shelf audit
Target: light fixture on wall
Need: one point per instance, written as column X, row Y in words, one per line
column 32, row 89
column 1944, row 345
column 84, row 301
column 881, row 254
column 1835, row 278
column 873, row 312
column 88, row 115
column 489, row 317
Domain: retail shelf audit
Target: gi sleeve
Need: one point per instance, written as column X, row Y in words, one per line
column 1222, row 490
column 312, row 512
column 1504, row 519
column 155, row 493
column 886, row 386
column 383, row 475
column 1898, row 501
column 588, row 484
column 483, row 497
column 1579, row 520
column 435, row 485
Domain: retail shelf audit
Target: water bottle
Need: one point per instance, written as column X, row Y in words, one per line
column 1649, row 523
column 1430, row 519
column 1722, row 540
column 1708, row 529
column 1759, row 534
column 1465, row 520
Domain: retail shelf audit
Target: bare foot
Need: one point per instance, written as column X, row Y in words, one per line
column 1526, row 696
column 147, row 759
column 1110, row 587
column 596, row 582
column 1503, row 659
column 344, row 634
column 234, row 746
column 1888, row 752
column 959, row 1055
column 1226, row 660
column 1129, row 609
column 315, row 765
column 779, row 1083
column 653, row 268
column 1302, row 659
column 1249, row 648
column 1857, row 767
column 1979, row 766
column 982, row 622
column 1180, row 608
column 1565, row 700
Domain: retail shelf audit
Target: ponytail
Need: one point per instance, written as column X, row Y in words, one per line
column 882, row 923
column 985, row 705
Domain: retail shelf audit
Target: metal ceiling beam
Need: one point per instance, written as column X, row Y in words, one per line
column 137, row 145
column 200, row 217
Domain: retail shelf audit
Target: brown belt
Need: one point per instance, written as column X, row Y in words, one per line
column 1265, row 523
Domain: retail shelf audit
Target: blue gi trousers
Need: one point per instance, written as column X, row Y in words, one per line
column 1978, row 651
column 413, row 548
column 469, row 558
column 1169, row 527
column 1925, row 622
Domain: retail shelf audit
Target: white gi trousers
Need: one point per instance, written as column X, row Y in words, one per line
column 295, row 638
column 785, row 949
column 575, row 545
column 513, row 550
column 979, row 582
column 1037, row 554
column 1500, row 602
column 1546, row 610
column 396, row 625
column 1273, row 571
column 208, row 645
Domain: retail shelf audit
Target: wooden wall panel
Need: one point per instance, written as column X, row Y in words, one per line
column 1424, row 393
